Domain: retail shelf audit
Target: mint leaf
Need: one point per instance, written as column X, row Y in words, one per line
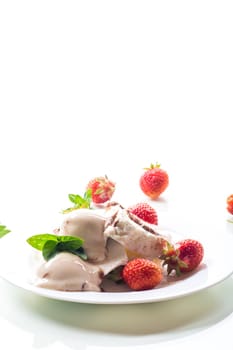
column 49, row 249
column 69, row 246
column 81, row 253
column 51, row 244
column 79, row 202
column 3, row 230
column 75, row 198
column 87, row 195
column 68, row 210
column 38, row 241
column 72, row 247
column 70, row 239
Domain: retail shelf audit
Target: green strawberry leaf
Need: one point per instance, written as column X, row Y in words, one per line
column 99, row 191
column 3, row 230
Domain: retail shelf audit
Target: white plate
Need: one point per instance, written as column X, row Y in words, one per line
column 217, row 266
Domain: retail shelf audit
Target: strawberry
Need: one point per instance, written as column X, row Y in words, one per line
column 101, row 188
column 145, row 212
column 230, row 204
column 141, row 274
column 154, row 181
column 184, row 256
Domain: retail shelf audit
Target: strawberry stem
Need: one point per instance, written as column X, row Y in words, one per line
column 171, row 259
column 152, row 166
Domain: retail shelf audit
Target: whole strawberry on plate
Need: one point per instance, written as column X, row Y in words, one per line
column 185, row 256
column 102, row 189
column 145, row 212
column 230, row 204
column 154, row 181
column 142, row 274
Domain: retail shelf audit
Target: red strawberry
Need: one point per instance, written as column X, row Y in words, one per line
column 230, row 204
column 102, row 189
column 145, row 212
column 141, row 274
column 184, row 256
column 154, row 181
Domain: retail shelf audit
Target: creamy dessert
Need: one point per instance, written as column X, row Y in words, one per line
column 90, row 226
column 108, row 240
column 69, row 272
column 134, row 234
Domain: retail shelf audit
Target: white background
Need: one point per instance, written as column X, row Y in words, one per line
column 106, row 87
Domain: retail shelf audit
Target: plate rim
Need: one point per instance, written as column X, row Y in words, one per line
column 131, row 297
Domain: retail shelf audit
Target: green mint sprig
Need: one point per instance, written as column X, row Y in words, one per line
column 79, row 201
column 3, row 230
column 50, row 245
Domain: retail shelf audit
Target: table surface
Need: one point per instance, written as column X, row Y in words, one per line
column 93, row 88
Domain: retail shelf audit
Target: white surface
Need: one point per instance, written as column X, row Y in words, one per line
column 101, row 87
